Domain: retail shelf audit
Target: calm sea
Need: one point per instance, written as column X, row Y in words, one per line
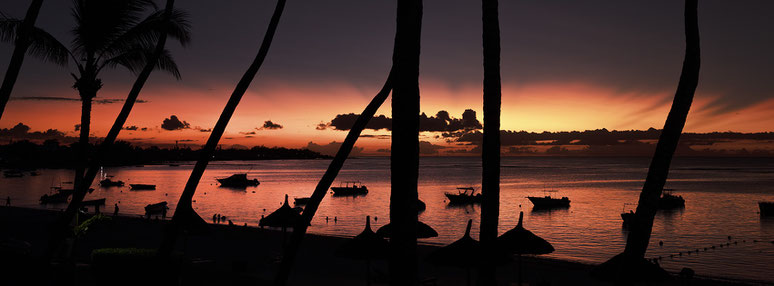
column 721, row 201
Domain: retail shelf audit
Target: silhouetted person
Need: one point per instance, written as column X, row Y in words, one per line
column 8, row 201
column 660, row 243
column 115, row 210
column 214, row 216
column 218, row 218
column 376, row 218
column 335, row 219
column 326, row 219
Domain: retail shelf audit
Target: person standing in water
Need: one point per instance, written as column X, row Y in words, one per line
column 115, row 210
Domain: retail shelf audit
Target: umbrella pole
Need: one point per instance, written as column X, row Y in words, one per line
column 519, row 281
column 368, row 272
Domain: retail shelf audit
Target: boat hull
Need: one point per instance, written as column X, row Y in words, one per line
column 549, row 202
column 349, row 191
column 142, row 187
column 462, row 199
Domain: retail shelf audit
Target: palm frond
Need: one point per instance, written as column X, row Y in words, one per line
column 47, row 48
column 135, row 59
column 147, row 32
column 8, row 27
column 99, row 22
column 42, row 45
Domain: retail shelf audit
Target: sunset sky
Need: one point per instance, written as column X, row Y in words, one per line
column 566, row 65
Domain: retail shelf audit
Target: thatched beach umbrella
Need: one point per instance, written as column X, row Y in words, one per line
column 283, row 217
column 423, row 231
column 521, row 241
column 464, row 253
column 626, row 270
column 365, row 246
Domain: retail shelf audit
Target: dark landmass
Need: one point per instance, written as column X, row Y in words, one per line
column 51, row 154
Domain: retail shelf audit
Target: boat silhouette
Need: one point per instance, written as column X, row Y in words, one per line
column 238, row 181
column 353, row 188
column 464, row 196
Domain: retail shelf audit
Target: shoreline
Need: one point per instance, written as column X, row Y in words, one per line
column 258, row 250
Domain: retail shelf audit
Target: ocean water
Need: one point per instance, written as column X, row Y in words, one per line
column 721, row 200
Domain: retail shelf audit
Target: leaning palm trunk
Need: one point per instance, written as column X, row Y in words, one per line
column 637, row 242
column 22, row 44
column 490, row 155
column 404, row 157
column 184, row 211
column 327, row 179
column 93, row 166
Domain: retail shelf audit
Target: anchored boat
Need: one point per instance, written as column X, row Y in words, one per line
column 669, row 200
column 464, row 195
column 137, row 187
column 238, row 181
column 353, row 188
column 547, row 201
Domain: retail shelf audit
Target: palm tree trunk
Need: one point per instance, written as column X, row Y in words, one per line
column 637, row 242
column 94, row 164
column 404, row 157
column 22, row 43
column 327, row 179
column 184, row 211
column 490, row 155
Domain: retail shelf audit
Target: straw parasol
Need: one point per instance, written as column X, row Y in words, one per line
column 464, row 253
column 283, row 217
column 423, row 231
column 521, row 241
column 365, row 246
column 622, row 269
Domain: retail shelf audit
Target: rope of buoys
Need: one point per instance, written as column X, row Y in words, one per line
column 680, row 253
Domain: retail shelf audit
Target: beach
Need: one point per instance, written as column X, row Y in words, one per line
column 238, row 255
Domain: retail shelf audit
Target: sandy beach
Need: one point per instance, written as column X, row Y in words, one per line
column 247, row 255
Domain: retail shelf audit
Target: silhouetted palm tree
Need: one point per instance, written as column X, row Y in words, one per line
column 25, row 35
column 93, row 166
column 490, row 152
column 327, row 179
column 404, row 158
column 639, row 235
column 112, row 33
column 184, row 212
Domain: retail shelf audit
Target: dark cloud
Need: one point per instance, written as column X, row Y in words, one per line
column 247, row 133
column 321, row 126
column 21, row 131
column 58, row 98
column 332, row 148
column 77, row 127
column 268, row 125
column 427, row 148
column 200, row 129
column 438, row 123
column 384, row 136
column 131, row 128
column 173, row 123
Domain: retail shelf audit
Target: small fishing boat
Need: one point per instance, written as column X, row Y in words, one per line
column 547, row 201
column 627, row 217
column 301, row 201
column 464, row 195
column 767, row 208
column 238, row 181
column 353, row 188
column 110, row 183
column 669, row 200
column 142, row 186
column 156, row 208
column 54, row 198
